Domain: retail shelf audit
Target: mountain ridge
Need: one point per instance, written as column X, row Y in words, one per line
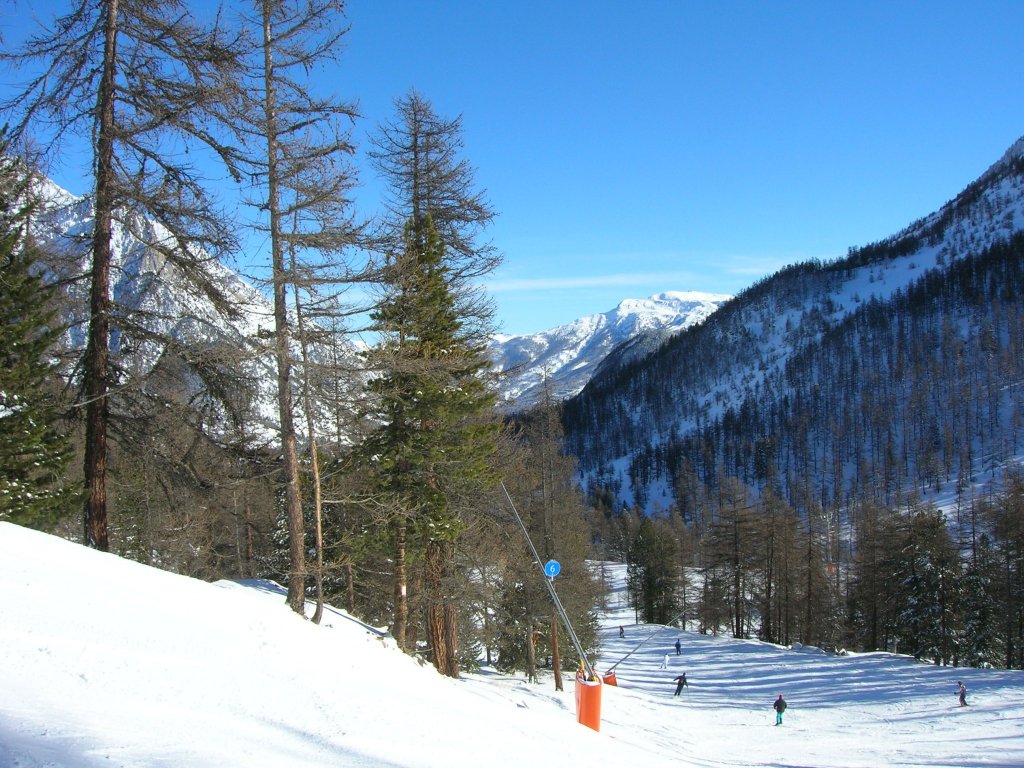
column 159, row 311
column 742, row 368
column 562, row 359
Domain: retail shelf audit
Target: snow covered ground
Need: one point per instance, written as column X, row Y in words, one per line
column 108, row 662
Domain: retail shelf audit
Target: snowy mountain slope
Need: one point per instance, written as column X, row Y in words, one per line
column 142, row 277
column 144, row 282
column 155, row 301
column 564, row 358
column 753, row 353
column 109, row 662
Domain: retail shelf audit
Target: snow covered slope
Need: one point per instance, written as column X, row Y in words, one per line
column 564, row 358
column 109, row 662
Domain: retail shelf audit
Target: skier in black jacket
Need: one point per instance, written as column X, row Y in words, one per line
column 779, row 706
column 680, row 683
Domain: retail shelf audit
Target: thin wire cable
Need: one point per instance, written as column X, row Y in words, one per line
column 551, row 589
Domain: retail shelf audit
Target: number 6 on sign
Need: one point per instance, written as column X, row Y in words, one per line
column 552, row 568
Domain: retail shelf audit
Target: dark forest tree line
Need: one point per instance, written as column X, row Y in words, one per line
column 905, row 579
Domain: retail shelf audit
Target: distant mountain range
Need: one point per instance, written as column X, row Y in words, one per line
column 564, row 357
column 159, row 312
column 560, row 361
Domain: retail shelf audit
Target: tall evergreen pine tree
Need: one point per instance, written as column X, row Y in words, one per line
column 35, row 451
column 434, row 441
column 652, row 573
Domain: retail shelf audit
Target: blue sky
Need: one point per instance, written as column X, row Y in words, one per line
column 633, row 148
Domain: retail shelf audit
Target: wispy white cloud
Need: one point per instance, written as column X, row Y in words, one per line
column 761, row 265
column 581, row 282
column 708, row 271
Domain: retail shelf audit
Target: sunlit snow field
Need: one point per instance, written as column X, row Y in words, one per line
column 108, row 662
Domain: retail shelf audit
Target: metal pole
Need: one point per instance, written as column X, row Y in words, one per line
column 551, row 588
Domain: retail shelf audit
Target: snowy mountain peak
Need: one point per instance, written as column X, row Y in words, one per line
column 158, row 301
column 564, row 358
column 667, row 306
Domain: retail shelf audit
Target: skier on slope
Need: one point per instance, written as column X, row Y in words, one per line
column 962, row 691
column 680, row 683
column 779, row 706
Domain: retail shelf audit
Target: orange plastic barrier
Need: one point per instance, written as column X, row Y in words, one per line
column 610, row 679
column 588, row 702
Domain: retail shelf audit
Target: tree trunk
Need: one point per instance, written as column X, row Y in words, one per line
column 442, row 630
column 398, row 628
column 556, row 655
column 451, row 638
column 293, row 499
column 808, row 615
column 250, row 543
column 318, row 516
column 415, row 601
column 97, row 348
column 531, row 652
column 435, row 613
column 350, row 587
column 314, row 457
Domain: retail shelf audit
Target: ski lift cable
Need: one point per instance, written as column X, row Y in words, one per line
column 643, row 642
column 551, row 589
